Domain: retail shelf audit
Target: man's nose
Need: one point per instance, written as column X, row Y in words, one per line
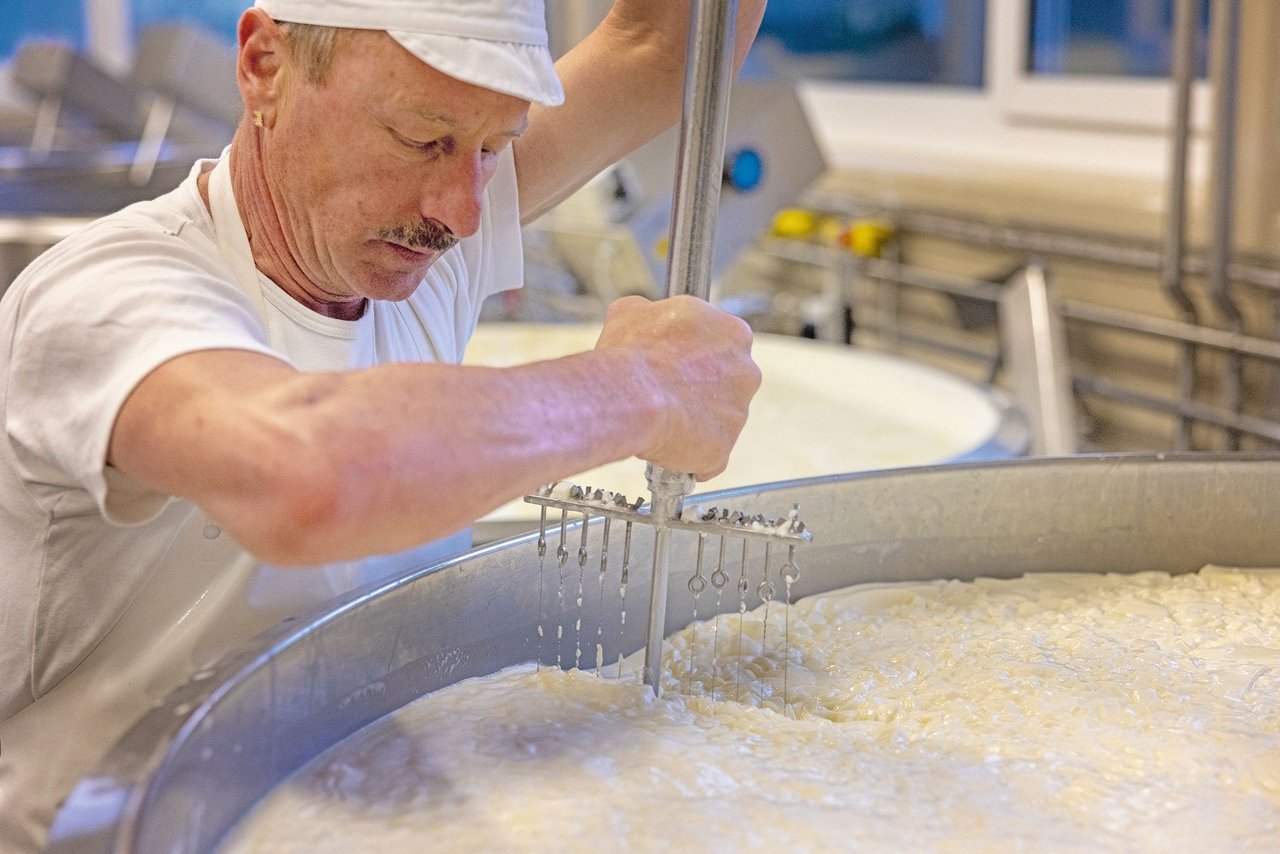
column 455, row 199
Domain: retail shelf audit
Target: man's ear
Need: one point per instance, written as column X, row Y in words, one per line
column 261, row 65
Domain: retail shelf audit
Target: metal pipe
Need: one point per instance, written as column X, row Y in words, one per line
column 1207, row 413
column 881, row 269
column 1173, row 330
column 700, row 164
column 1094, row 248
column 1224, row 53
column 708, row 75
column 1190, row 334
column 1184, row 34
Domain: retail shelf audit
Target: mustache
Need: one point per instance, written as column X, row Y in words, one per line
column 428, row 234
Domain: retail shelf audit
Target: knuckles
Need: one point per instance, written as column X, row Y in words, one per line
column 702, row 356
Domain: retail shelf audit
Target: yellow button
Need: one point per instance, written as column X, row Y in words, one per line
column 794, row 223
column 868, row 237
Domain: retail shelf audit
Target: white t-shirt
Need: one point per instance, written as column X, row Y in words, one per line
column 112, row 594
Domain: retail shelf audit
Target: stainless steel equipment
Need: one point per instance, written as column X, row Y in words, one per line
column 188, row 770
column 101, row 142
column 612, row 235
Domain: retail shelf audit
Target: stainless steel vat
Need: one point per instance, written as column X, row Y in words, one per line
column 188, row 770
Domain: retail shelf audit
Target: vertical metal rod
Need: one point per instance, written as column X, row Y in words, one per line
column 44, row 134
column 708, row 76
column 1184, row 45
column 664, row 507
column 1224, row 56
column 696, row 199
column 147, row 153
column 887, row 302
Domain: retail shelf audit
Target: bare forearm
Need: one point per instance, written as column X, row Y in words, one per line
column 305, row 468
column 424, row 450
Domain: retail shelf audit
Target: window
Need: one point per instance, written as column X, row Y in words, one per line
column 1090, row 62
column 1068, row 85
column 937, row 42
column 51, row 19
column 106, row 29
column 217, row 16
column 1097, row 37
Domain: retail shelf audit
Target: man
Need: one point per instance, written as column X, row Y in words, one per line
column 254, row 372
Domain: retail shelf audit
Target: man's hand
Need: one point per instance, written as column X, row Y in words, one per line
column 700, row 361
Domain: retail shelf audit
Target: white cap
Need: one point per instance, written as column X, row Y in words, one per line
column 497, row 44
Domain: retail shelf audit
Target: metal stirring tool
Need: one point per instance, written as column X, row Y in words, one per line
column 699, row 174
column 788, row 530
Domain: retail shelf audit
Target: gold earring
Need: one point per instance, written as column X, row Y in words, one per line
column 257, row 118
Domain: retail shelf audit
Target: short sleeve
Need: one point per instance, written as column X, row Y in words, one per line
column 94, row 316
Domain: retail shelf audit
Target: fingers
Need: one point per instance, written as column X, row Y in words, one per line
column 700, row 357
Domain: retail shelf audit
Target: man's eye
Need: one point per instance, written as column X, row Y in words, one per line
column 429, row 146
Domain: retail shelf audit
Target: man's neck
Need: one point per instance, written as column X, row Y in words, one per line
column 265, row 230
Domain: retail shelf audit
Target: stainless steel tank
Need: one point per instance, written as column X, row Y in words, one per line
column 193, row 766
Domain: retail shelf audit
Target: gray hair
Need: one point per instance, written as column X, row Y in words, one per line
column 314, row 46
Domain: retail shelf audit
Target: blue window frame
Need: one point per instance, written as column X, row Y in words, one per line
column 1105, row 37
column 932, row 42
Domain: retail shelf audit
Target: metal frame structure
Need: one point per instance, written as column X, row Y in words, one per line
column 1032, row 343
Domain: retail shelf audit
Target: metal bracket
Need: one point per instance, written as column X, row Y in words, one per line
column 1034, row 343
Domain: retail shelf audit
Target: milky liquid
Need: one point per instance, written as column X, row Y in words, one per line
column 1052, row 713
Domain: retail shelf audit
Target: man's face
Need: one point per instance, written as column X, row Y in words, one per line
column 378, row 171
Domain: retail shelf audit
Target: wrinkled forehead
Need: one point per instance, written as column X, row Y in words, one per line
column 372, row 82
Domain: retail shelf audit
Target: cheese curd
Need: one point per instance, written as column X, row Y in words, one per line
column 1055, row 712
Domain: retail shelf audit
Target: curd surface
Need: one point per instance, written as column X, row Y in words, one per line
column 1055, row 712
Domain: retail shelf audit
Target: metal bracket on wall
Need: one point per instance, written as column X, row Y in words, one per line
column 1034, row 344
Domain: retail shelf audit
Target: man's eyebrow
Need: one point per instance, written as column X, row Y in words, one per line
column 436, row 118
column 442, row 119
